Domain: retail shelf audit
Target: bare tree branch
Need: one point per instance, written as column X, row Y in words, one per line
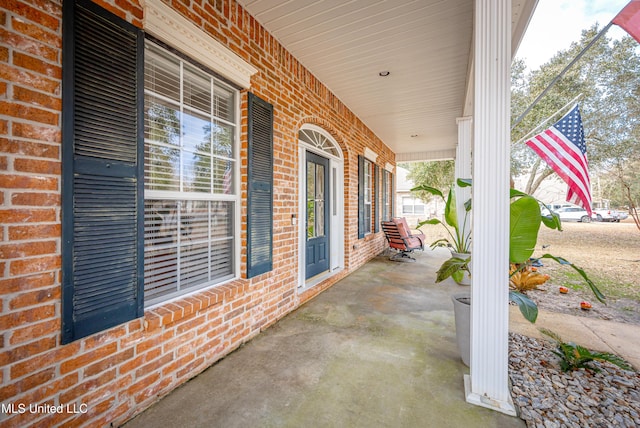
column 532, row 175
column 546, row 173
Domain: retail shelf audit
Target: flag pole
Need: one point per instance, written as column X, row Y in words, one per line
column 559, row 76
column 573, row 101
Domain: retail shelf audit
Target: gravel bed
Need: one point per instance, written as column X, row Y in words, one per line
column 548, row 397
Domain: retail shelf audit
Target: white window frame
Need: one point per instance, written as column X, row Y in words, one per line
column 387, row 194
column 369, row 188
column 181, row 195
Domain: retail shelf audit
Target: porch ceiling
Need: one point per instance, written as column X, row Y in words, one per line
column 426, row 46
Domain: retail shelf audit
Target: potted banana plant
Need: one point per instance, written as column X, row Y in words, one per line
column 525, row 221
column 455, row 224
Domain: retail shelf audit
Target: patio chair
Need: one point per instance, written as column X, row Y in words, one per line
column 402, row 239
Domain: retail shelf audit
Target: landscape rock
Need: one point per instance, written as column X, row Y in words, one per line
column 547, row 397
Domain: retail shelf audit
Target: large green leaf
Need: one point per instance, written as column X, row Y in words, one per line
column 527, row 306
column 450, row 211
column 429, row 189
column 525, row 220
column 467, row 205
column 552, row 221
column 442, row 242
column 515, row 193
column 464, row 182
column 458, row 276
column 430, row 221
column 582, row 273
column 451, row 266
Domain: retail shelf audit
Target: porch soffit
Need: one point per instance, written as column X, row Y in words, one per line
column 426, row 45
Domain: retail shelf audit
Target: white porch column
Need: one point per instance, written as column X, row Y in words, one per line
column 488, row 383
column 463, row 164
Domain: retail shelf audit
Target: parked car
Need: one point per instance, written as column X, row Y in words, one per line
column 574, row 214
column 556, row 207
column 622, row 215
column 605, row 215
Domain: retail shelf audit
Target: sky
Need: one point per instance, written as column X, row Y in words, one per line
column 557, row 23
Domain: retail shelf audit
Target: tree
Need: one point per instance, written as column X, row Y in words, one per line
column 608, row 76
column 578, row 80
column 438, row 174
column 622, row 185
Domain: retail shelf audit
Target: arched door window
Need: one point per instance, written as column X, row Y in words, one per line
column 319, row 141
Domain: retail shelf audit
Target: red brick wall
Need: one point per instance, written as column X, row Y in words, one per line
column 119, row 372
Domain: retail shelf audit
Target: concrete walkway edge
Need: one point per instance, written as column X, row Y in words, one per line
column 622, row 339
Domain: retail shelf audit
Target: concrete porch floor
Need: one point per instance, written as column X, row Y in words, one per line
column 376, row 350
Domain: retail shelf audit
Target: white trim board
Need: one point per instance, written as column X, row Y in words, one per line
column 166, row 24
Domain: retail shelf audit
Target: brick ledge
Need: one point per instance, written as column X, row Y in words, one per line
column 175, row 310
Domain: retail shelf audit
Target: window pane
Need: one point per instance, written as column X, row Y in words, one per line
column 161, row 121
column 228, row 186
column 194, row 265
column 197, row 172
column 187, row 244
column 389, row 194
column 223, row 103
column 367, row 218
column 160, row 223
column 311, row 201
column 368, row 181
column 320, row 192
column 222, row 215
column 160, row 272
column 319, row 218
column 195, row 220
column 320, row 182
column 418, row 209
column 311, row 222
column 222, row 173
column 161, row 168
column 196, row 132
column 222, row 240
column 223, row 139
column 222, row 259
column 161, row 73
column 367, row 194
column 197, row 90
column 161, row 247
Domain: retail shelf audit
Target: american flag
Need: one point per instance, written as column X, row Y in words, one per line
column 563, row 148
column 629, row 19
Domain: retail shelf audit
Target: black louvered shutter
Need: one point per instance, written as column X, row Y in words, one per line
column 376, row 198
column 102, row 193
column 259, row 187
column 361, row 215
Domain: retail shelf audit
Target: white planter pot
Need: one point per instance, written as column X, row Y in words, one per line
column 462, row 313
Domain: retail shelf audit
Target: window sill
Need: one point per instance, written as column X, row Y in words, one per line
column 369, row 237
column 182, row 307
